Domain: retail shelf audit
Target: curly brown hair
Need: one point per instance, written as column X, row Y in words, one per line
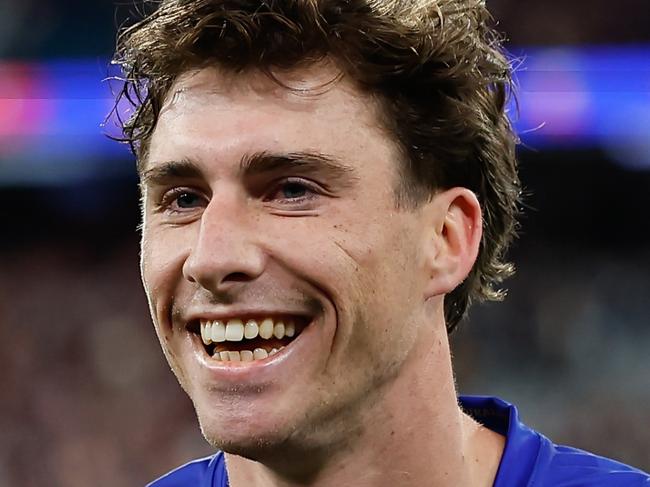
column 437, row 66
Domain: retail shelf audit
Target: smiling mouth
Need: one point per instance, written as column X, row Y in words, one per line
column 250, row 339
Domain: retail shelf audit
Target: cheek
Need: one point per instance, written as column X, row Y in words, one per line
column 380, row 285
column 161, row 269
column 393, row 276
column 161, row 263
column 385, row 259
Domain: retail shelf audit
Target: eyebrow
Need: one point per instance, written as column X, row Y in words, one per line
column 259, row 163
column 162, row 172
column 303, row 162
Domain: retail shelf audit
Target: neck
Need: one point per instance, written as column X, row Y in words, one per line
column 414, row 435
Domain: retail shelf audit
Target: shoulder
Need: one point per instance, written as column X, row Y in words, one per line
column 572, row 467
column 532, row 460
column 204, row 472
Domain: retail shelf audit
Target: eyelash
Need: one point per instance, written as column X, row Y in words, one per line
column 169, row 199
column 306, row 185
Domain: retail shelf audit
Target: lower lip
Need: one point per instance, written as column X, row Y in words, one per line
column 256, row 370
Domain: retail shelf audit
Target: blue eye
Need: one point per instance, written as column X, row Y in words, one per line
column 181, row 200
column 293, row 190
column 187, row 200
column 293, row 193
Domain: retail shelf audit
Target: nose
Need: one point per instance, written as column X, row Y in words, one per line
column 226, row 252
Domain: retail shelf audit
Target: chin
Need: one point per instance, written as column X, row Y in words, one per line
column 274, row 450
column 270, row 448
column 244, row 436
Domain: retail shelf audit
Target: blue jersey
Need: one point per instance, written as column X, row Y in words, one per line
column 529, row 458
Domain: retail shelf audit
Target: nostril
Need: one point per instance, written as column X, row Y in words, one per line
column 237, row 277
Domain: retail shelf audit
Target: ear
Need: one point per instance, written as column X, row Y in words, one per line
column 454, row 239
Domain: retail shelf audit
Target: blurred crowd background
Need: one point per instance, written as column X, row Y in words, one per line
column 86, row 396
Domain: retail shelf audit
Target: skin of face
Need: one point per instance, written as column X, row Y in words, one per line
column 323, row 239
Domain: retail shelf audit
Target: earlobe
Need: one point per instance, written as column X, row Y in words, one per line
column 456, row 225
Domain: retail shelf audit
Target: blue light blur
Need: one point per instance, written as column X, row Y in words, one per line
column 52, row 114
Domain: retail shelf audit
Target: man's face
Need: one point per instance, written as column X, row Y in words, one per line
column 263, row 203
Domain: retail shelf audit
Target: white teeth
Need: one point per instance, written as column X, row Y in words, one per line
column 245, row 355
column 206, row 332
column 251, row 329
column 278, row 330
column 260, row 354
column 234, row 331
column 218, row 332
column 290, row 329
column 266, row 328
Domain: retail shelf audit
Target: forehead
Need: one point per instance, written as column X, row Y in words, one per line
column 219, row 114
